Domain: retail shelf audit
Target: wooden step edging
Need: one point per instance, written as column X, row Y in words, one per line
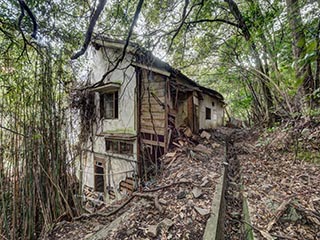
column 215, row 224
column 246, row 225
column 247, row 222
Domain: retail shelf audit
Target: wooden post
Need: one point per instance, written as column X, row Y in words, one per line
column 191, row 112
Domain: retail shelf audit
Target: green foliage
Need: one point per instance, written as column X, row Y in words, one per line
column 34, row 84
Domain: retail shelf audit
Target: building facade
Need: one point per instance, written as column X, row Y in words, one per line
column 139, row 107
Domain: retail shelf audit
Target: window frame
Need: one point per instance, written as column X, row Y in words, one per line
column 114, row 102
column 119, row 147
column 98, row 177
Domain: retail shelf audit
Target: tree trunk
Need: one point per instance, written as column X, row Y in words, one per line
column 317, row 74
column 233, row 7
column 303, row 72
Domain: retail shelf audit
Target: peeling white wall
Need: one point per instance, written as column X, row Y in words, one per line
column 115, row 164
column 126, row 75
column 217, row 112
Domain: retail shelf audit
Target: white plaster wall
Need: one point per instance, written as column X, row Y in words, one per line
column 217, row 113
column 121, row 166
column 115, row 164
column 124, row 74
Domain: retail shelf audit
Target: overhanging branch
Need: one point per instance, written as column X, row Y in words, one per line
column 24, row 7
column 134, row 22
column 90, row 29
column 213, row 20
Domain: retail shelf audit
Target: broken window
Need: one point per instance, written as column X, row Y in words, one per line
column 126, row 148
column 109, row 105
column 208, row 113
column 120, row 147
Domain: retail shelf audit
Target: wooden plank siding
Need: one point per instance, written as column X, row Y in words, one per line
column 153, row 110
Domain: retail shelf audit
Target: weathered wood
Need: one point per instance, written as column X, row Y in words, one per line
column 130, row 180
column 154, row 117
column 126, row 186
column 145, row 107
column 155, row 84
column 157, row 92
column 154, row 143
column 167, row 96
column 151, row 131
column 153, row 101
column 138, row 149
column 155, row 114
column 190, row 112
column 156, row 123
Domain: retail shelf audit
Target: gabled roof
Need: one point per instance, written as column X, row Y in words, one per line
column 146, row 57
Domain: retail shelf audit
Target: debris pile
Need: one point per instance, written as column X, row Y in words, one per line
column 181, row 196
column 175, row 205
column 93, row 200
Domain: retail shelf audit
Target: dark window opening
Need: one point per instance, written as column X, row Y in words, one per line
column 98, row 177
column 115, row 147
column 108, row 145
column 126, row 148
column 120, row 147
column 161, row 138
column 208, row 113
column 109, row 105
column 147, row 136
column 213, row 104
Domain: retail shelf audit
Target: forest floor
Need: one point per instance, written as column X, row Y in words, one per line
column 276, row 170
column 280, row 172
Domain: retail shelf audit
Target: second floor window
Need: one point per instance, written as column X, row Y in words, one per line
column 109, row 105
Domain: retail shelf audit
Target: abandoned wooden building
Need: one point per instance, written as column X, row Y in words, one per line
column 138, row 108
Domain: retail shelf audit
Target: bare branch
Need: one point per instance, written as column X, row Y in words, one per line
column 184, row 16
column 90, row 29
column 213, row 20
column 12, row 131
column 135, row 19
column 23, row 7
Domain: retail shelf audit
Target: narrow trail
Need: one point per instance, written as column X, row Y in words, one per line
column 233, row 220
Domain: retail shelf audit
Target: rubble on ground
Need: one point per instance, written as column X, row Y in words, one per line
column 281, row 186
column 174, row 205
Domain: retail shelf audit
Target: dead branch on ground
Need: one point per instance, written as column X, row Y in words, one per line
column 97, row 214
column 152, row 197
column 166, row 186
